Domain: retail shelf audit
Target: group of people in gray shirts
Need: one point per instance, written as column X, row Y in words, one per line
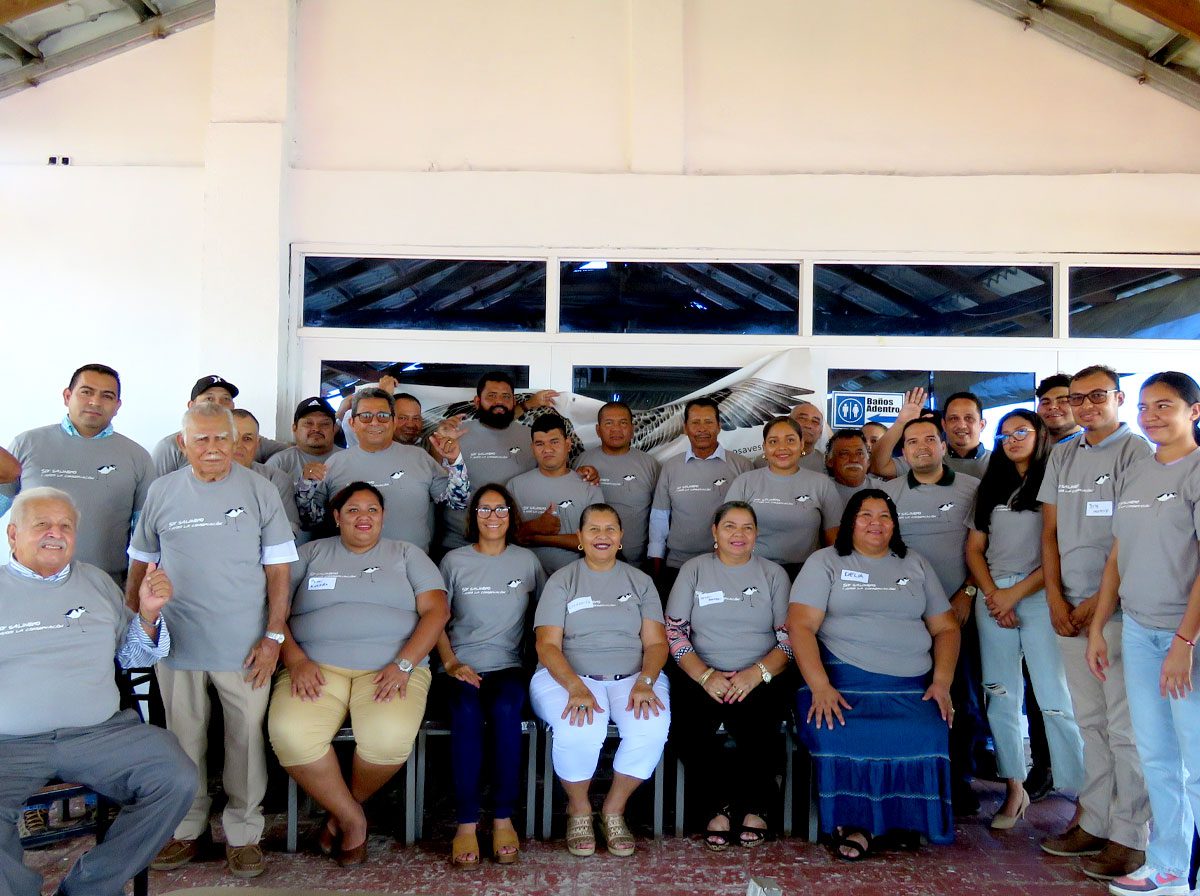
column 187, row 559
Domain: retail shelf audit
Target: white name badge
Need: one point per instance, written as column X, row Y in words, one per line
column 1099, row 508
column 704, row 598
column 322, row 583
column 580, row 603
column 853, row 575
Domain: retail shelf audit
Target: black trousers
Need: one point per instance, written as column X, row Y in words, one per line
column 742, row 778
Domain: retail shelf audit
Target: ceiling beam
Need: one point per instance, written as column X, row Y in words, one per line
column 12, row 45
column 1178, row 15
column 1100, row 44
column 1167, row 53
column 11, row 10
column 143, row 9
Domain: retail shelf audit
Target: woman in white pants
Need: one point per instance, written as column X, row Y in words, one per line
column 1004, row 556
column 601, row 646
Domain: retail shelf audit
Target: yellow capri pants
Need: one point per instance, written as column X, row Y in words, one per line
column 384, row 733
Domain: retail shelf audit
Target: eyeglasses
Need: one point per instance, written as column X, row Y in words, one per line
column 501, row 512
column 381, row 416
column 1017, row 435
column 1096, row 396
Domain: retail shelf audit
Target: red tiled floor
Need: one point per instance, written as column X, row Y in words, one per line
column 979, row 862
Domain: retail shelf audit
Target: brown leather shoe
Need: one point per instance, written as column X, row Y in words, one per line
column 245, row 861
column 1075, row 841
column 1114, row 860
column 175, row 854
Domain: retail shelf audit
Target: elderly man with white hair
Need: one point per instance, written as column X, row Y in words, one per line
column 222, row 532
column 61, row 624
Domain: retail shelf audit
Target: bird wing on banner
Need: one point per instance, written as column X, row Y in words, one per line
column 750, row 402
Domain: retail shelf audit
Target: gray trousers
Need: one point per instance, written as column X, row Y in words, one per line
column 138, row 766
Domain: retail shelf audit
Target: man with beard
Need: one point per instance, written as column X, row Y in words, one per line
column 1055, row 410
column 409, row 420
column 962, row 423
column 934, row 504
column 847, row 461
column 313, row 427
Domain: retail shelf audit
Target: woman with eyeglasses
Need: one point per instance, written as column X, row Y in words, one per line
column 1013, row 618
column 490, row 584
column 1153, row 572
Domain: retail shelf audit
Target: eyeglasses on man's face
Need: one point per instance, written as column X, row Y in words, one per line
column 1096, row 396
column 368, row 416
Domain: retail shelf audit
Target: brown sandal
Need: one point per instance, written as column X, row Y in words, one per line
column 503, row 838
column 464, row 845
column 618, row 836
column 579, row 832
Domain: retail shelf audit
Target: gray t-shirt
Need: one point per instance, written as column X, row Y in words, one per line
column 167, row 457
column 489, row 599
column 409, row 479
column 534, row 492
column 1082, row 482
column 792, row 511
column 357, row 611
column 491, row 456
column 733, row 610
column 108, row 477
column 972, row 466
column 627, row 481
column 210, row 538
column 692, row 490
column 875, row 608
column 601, row 616
column 292, row 460
column 286, row 486
column 1014, row 540
column 933, row 521
column 57, row 643
column 848, row 491
column 1157, row 524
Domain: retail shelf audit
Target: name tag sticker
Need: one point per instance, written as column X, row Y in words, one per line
column 322, row 583
column 704, row 598
column 580, row 603
column 1099, row 508
column 853, row 575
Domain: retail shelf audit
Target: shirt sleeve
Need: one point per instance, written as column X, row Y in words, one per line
column 145, row 545
column 552, row 605
column 935, row 596
column 651, row 604
column 311, row 498
column 284, row 552
column 456, row 493
column 423, row 574
column 138, row 649
column 660, row 527
column 813, row 584
column 737, row 489
column 832, row 505
column 1048, row 490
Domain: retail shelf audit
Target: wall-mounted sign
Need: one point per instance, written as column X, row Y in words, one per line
column 853, row 409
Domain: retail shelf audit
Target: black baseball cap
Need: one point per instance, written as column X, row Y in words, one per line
column 207, row 382
column 313, row 405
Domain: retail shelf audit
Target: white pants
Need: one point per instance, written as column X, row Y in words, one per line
column 577, row 748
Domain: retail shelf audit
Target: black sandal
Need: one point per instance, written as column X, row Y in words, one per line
column 750, row 837
column 716, row 841
column 842, row 841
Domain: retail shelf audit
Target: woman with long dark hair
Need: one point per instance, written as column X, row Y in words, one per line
column 1004, row 555
column 876, row 642
column 1154, row 571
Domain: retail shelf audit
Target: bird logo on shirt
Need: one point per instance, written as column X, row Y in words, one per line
column 629, row 477
column 370, row 572
column 1103, row 478
column 75, row 613
column 625, row 597
column 947, row 506
column 565, row 504
column 1167, row 496
column 719, row 482
column 903, row 580
column 750, row 591
column 800, row 499
column 515, row 583
column 106, row 469
column 397, row 474
column 233, row 514
column 514, row 450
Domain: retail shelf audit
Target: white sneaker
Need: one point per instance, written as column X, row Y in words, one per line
column 1148, row 879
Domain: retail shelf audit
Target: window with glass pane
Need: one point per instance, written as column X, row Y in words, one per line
column 424, row 294
column 932, row 300
column 1135, row 303
column 340, row 378
column 742, row 298
column 643, row 388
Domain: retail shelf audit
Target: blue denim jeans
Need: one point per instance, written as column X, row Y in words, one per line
column 1001, row 650
column 1168, row 742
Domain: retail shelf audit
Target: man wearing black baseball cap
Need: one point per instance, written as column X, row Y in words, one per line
column 168, row 456
column 314, row 426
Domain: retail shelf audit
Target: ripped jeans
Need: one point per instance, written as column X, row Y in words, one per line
column 1001, row 650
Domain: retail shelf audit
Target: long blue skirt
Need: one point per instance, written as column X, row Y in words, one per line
column 888, row 768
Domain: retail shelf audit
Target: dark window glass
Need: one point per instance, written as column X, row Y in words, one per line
column 1135, row 303
column 424, row 294
column 679, row 297
column 643, row 388
column 339, row 378
column 932, row 300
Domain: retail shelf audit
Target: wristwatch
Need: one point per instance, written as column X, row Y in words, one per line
column 970, row 590
column 404, row 665
column 277, row 637
column 762, row 670
column 647, row 681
